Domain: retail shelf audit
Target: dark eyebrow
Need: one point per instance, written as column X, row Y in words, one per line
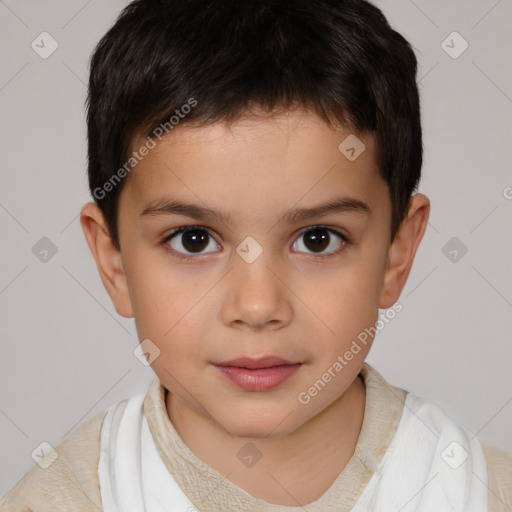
column 174, row 207
column 338, row 205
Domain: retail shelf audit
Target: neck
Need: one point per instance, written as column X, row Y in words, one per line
column 293, row 470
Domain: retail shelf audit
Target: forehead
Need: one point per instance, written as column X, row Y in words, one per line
column 258, row 165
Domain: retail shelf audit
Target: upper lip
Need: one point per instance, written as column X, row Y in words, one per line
column 254, row 364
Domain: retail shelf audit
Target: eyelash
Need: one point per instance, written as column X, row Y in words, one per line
column 184, row 229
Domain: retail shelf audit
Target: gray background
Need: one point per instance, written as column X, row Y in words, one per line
column 66, row 352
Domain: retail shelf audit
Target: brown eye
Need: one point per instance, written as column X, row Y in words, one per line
column 191, row 240
column 318, row 239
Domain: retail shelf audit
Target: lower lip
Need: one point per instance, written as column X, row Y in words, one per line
column 261, row 379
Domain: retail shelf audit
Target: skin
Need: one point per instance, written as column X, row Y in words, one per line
column 293, row 302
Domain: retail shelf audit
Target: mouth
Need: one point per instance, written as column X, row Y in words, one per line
column 258, row 374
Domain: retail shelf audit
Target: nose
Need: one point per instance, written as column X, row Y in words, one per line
column 256, row 296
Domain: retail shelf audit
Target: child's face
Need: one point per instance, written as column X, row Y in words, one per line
column 304, row 299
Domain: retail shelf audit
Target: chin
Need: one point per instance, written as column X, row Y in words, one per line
column 258, row 426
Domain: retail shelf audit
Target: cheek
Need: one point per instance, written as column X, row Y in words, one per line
column 161, row 293
column 170, row 316
column 172, row 326
column 345, row 304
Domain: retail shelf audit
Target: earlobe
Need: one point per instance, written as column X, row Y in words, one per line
column 107, row 257
column 403, row 249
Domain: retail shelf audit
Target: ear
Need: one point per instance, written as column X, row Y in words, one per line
column 403, row 249
column 107, row 257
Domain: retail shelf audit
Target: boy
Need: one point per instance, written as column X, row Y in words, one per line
column 283, row 141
